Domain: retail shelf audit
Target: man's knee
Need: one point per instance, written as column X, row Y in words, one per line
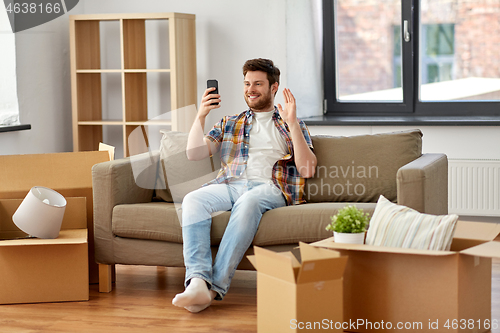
column 258, row 197
column 248, row 203
column 192, row 199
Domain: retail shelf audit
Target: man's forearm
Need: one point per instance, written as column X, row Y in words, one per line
column 305, row 160
column 197, row 148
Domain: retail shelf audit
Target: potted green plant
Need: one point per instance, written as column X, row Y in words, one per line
column 349, row 225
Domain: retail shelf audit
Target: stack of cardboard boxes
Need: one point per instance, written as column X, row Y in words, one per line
column 384, row 289
column 48, row 270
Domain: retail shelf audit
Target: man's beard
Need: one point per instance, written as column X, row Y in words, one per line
column 264, row 102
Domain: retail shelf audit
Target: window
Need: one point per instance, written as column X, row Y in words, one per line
column 9, row 110
column 439, row 52
column 437, row 59
column 412, row 57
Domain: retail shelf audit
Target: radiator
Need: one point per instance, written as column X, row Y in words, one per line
column 474, row 187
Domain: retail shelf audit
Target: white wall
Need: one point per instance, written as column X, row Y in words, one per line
column 228, row 33
column 43, row 88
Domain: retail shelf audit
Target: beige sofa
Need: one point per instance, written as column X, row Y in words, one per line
column 132, row 226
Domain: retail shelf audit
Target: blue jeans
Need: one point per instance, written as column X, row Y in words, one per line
column 247, row 200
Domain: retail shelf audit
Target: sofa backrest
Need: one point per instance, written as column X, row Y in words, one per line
column 360, row 168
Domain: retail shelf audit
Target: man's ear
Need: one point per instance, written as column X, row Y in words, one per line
column 274, row 88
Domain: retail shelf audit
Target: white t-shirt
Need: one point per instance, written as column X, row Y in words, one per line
column 266, row 147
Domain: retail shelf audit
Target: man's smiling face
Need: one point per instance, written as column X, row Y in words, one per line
column 257, row 92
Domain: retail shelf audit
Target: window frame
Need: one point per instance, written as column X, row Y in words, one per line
column 411, row 105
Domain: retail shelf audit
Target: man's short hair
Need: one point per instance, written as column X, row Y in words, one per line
column 264, row 65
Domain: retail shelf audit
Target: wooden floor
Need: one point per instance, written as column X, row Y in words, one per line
column 141, row 302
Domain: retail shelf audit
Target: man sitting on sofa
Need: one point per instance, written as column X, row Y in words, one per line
column 266, row 152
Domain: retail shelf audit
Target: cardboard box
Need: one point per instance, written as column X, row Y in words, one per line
column 415, row 290
column 44, row 270
column 68, row 173
column 298, row 297
column 75, row 217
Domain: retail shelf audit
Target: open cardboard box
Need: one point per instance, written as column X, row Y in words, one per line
column 75, row 217
column 67, row 173
column 293, row 296
column 44, row 270
column 438, row 291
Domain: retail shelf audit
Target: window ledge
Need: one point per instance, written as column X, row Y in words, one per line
column 13, row 128
column 401, row 121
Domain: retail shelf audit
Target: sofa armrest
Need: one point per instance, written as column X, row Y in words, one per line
column 122, row 181
column 423, row 184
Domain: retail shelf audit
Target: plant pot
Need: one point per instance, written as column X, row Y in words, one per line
column 353, row 238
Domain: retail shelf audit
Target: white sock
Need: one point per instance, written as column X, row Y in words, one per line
column 197, row 308
column 196, row 293
column 200, row 307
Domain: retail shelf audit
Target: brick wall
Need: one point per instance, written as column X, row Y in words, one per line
column 477, row 38
column 365, row 45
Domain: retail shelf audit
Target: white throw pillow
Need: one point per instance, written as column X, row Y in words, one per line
column 393, row 225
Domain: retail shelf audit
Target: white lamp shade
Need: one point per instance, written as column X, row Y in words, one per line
column 41, row 213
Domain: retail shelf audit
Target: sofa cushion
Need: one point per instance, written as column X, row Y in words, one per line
column 178, row 176
column 285, row 225
column 360, row 168
column 158, row 221
column 152, row 220
column 306, row 223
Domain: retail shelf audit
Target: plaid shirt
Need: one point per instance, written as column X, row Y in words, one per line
column 231, row 135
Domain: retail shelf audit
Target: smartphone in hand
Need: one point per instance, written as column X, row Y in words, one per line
column 213, row 83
